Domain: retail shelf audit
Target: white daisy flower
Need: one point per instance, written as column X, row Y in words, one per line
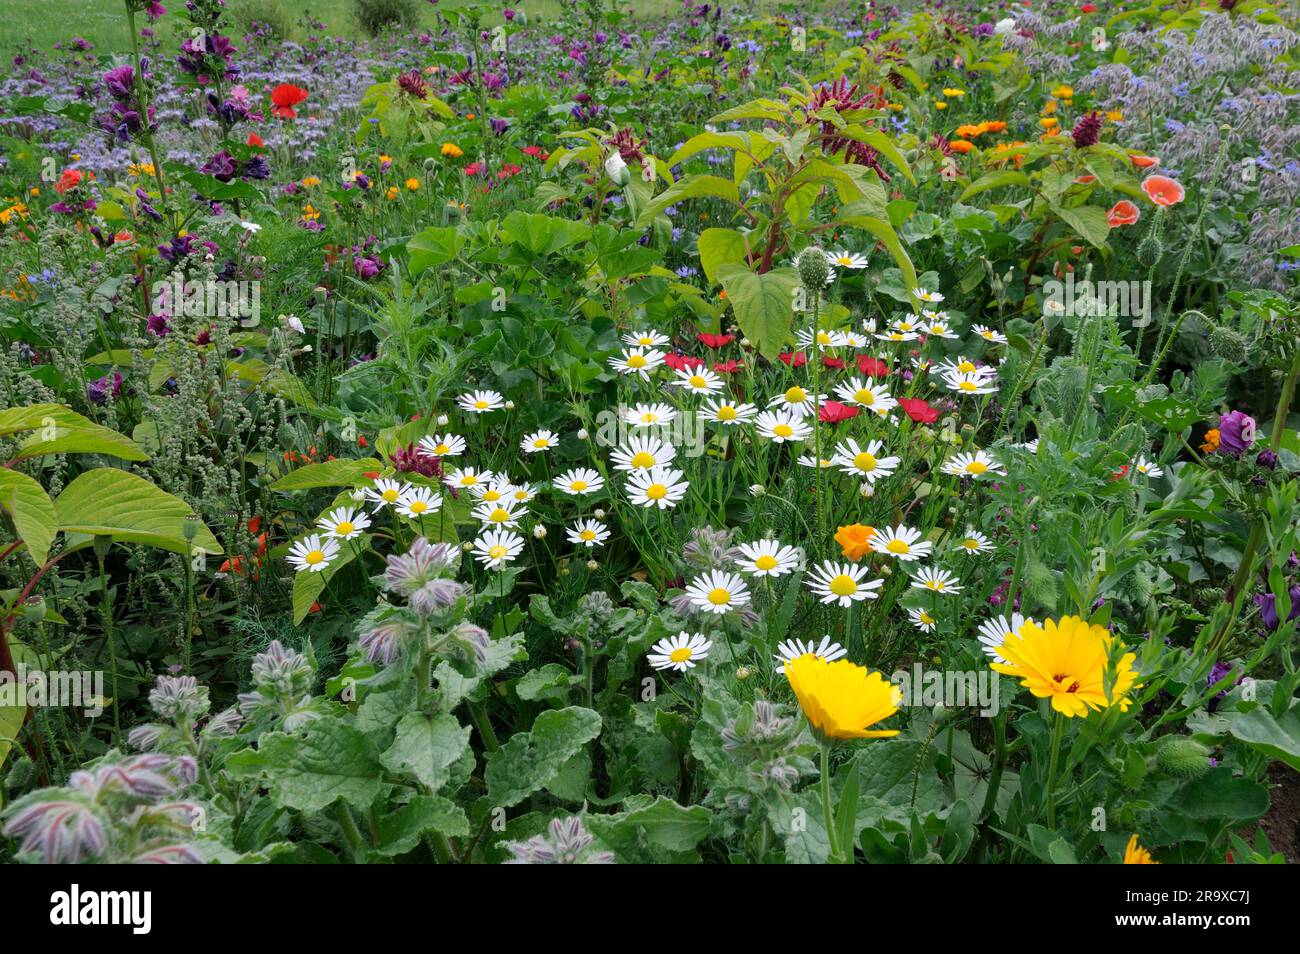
column 386, row 492
column 499, row 489
column 661, row 487
column 580, row 481
column 767, row 558
column 940, row 329
column 797, row 401
column 538, row 442
column 922, row 620
column 447, row 445
column 467, row 478
column 344, row 523
column 495, row 548
column 679, row 652
column 639, row 361
column 866, row 393
column 718, row 592
column 974, row 542
column 994, row 632
column 313, row 554
column 808, row 460
column 864, row 462
column 588, row 533
column 972, row 464
column 649, row 415
column 1148, row 469
column 853, row 339
column 962, row 365
column 969, row 383
column 989, row 334
column 522, row 494
column 698, row 381
column 925, row 295
column 419, row 502
column 823, row 337
column 642, row 453
column 646, row 339
column 788, row 650
column 843, row 583
column 937, row 581
column 1031, row 446
column 896, row 336
column 782, row 426
column 842, row 259
column 727, row 412
column 902, row 542
column 503, row 513
column 480, row 402
column 905, row 325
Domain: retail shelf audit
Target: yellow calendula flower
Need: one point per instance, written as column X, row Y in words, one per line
column 1049, row 122
column 940, row 104
column 1135, row 854
column 854, row 540
column 384, row 158
column 1211, row 442
column 1115, row 115
column 842, row 700
column 393, row 192
column 310, row 212
column 1049, row 107
column 310, row 182
column 1065, row 661
column 33, row 191
column 952, row 93
column 1063, row 91
column 452, row 151
column 412, row 184
column 15, row 211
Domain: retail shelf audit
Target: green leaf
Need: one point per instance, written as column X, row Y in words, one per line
column 32, row 511
column 329, row 473
column 689, row 187
column 114, row 503
column 734, row 141
column 1088, row 221
column 400, row 831
column 64, row 431
column 1220, row 797
column 1277, row 738
column 427, row 747
column 530, row 760
column 662, row 825
column 542, row 234
column 763, row 304
column 433, row 246
column 718, row 247
column 311, row 770
column 885, row 234
column 994, row 180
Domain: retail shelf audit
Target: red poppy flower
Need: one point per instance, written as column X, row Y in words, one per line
column 728, row 367
column 795, row 359
column 832, row 412
column 1085, row 180
column 834, row 363
column 70, row 179
column 919, row 411
column 285, row 97
column 255, row 140
column 473, row 169
column 1143, row 162
column 872, row 367
column 682, row 362
column 1123, row 212
column 370, row 474
column 715, row 341
column 255, row 525
column 1088, row 8
column 1163, row 190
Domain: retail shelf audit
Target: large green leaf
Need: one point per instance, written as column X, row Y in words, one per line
column 427, row 747
column 530, row 760
column 689, row 187
column 32, row 511
column 763, row 304
column 1089, row 221
column 329, row 473
column 60, row 430
column 433, row 246
column 718, row 247
column 114, row 503
column 400, row 831
column 860, row 217
column 542, row 234
column 1277, row 738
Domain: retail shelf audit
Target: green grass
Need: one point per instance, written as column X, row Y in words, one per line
column 43, row 23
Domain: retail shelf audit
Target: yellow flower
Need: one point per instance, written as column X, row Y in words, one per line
column 1063, row 91
column 384, row 158
column 1049, row 107
column 853, row 540
column 842, row 699
column 309, row 212
column 1135, row 854
column 1049, row 122
column 33, row 191
column 1066, row 662
column 392, row 192
column 452, row 151
column 412, row 184
column 17, row 210
column 954, row 93
column 310, row 182
column 940, row 104
column 1115, row 115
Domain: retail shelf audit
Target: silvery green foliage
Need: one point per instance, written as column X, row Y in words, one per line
column 764, row 741
column 567, row 842
column 281, row 694
column 119, row 810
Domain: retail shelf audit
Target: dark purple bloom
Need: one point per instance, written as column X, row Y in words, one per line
column 102, row 389
column 1236, row 432
column 1267, row 604
column 119, row 81
column 1267, row 459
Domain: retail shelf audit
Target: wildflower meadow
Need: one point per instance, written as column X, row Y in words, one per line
column 757, row 433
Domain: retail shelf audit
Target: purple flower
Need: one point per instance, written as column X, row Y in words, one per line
column 119, row 81
column 1267, row 604
column 1267, row 459
column 99, row 391
column 1236, row 432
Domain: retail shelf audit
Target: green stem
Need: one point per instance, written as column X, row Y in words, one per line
column 1057, row 731
column 832, row 836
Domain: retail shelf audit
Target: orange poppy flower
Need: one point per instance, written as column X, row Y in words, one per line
column 1123, row 212
column 960, row 145
column 1143, row 162
column 853, row 540
column 1163, row 190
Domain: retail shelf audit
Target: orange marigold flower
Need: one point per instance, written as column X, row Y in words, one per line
column 853, row 540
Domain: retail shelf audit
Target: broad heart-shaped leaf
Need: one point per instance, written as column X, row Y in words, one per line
column 1088, row 221
column 652, row 831
column 1276, row 738
column 763, row 304
column 311, row 770
column 718, row 247
column 329, row 473
column 61, row 430
column 113, row 503
column 689, row 187
column 433, row 246
column 542, row 234
column 400, row 831
column 427, row 747
column 1219, row 796
column 32, row 511
column 530, row 760
column 995, row 180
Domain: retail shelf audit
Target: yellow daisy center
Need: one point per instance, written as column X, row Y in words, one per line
column 643, row 460
column 649, row 417
column 497, row 552
column 967, row 385
column 344, row 527
column 865, row 461
column 976, row 467
column 491, row 496
column 970, row 543
column 719, row 596
column 418, row 506
column 389, row 495
column 697, row 381
column 726, row 413
column 499, row 515
column 587, row 535
column 541, row 442
column 765, row 562
column 966, row 367
column 578, row 485
column 469, row 480
column 926, row 618
column 865, row 396
column 680, row 654
column 898, row 546
column 843, row 585
column 656, row 492
column 440, row 450
column 823, row 337
column 480, row 405
column 636, row 361
column 314, row 557
column 796, row 395
column 783, row 430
